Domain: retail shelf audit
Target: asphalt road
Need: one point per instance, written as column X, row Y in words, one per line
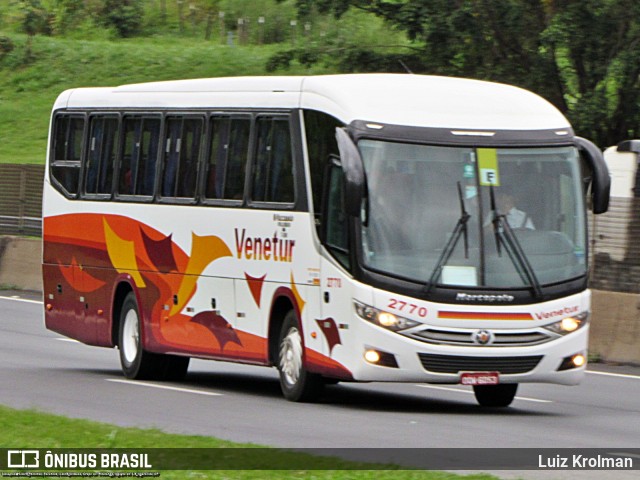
column 40, row 369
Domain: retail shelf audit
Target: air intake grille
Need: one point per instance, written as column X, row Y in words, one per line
column 501, row 338
column 455, row 363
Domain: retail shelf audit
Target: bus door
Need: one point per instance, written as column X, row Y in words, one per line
column 341, row 201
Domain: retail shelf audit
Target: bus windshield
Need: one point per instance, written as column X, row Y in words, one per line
column 473, row 217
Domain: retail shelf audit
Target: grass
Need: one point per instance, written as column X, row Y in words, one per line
column 28, row 88
column 32, row 429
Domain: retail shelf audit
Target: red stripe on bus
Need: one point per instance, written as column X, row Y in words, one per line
column 484, row 315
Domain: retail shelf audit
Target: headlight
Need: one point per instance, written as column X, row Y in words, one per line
column 569, row 324
column 384, row 319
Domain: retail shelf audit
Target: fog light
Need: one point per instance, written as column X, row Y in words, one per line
column 579, row 360
column 574, row 361
column 380, row 358
column 372, row 356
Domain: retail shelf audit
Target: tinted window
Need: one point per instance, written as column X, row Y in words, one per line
column 320, row 132
column 182, row 147
column 228, row 152
column 103, row 138
column 139, row 156
column 337, row 235
column 273, row 166
column 67, row 151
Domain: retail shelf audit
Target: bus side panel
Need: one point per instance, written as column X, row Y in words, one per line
column 62, row 314
column 77, row 280
column 252, row 297
column 99, row 305
column 201, row 323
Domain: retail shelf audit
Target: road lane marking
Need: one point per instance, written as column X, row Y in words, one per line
column 469, row 392
column 163, row 387
column 619, row 375
column 26, row 300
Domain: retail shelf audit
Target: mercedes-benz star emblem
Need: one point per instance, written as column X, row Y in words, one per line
column 482, row 337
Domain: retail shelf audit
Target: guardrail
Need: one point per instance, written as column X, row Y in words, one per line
column 21, row 199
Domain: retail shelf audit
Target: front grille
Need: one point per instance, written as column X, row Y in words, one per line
column 512, row 338
column 456, row 363
column 516, row 339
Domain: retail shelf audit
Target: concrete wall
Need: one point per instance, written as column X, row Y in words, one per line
column 615, row 319
column 615, row 326
column 21, row 263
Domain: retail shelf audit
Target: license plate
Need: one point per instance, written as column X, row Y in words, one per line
column 480, row 378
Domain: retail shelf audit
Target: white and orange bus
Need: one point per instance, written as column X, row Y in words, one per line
column 395, row 228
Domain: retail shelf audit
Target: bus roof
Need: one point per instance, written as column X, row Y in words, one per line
column 400, row 99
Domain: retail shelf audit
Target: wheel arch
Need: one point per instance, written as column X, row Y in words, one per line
column 122, row 289
column 283, row 302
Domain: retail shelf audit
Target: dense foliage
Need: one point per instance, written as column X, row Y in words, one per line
column 582, row 55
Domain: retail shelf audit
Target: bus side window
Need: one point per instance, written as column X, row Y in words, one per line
column 182, row 148
column 129, row 160
column 103, row 137
column 189, row 153
column 216, row 161
column 139, row 156
column 148, row 157
column 171, row 157
column 273, row 168
column 337, row 225
column 228, row 154
column 67, row 152
column 320, row 133
column 238, row 152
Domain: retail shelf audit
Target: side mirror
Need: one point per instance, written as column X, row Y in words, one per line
column 629, row 146
column 601, row 182
column 353, row 172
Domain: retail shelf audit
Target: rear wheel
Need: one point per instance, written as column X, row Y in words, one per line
column 495, row 395
column 297, row 384
column 135, row 361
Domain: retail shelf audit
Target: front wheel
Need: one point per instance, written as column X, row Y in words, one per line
column 495, row 395
column 296, row 383
column 137, row 363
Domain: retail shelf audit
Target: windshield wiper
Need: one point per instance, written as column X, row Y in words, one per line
column 504, row 234
column 460, row 229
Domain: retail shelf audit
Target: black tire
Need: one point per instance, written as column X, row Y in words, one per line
column 495, row 395
column 136, row 363
column 296, row 383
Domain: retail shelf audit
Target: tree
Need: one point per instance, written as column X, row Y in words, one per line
column 68, row 13
column 582, row 55
column 123, row 15
column 211, row 8
column 34, row 19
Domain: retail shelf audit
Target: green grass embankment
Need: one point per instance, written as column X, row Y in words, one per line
column 31, row 429
column 28, row 87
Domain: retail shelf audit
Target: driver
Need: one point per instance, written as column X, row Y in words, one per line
column 506, row 205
